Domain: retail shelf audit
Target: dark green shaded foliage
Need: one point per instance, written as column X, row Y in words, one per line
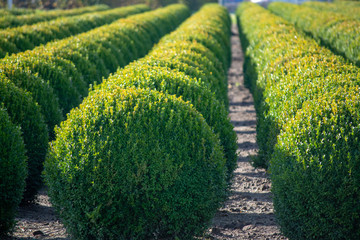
column 317, row 169
column 24, row 112
column 12, row 171
column 40, row 90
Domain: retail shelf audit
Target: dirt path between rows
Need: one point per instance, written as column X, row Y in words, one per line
column 247, row 214
column 249, row 211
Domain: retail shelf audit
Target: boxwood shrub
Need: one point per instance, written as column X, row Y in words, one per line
column 12, row 171
column 316, row 169
column 189, row 89
column 135, row 164
column 181, row 61
column 347, row 9
column 40, row 90
column 10, row 21
column 24, row 112
column 188, row 52
column 68, row 66
column 57, row 73
column 336, row 31
column 18, row 11
column 28, row 36
column 192, row 71
column 212, row 32
column 53, row 76
column 307, row 100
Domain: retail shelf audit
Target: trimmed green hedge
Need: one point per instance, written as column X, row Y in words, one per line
column 18, row 11
column 308, row 128
column 12, row 171
column 203, row 62
column 15, row 21
column 151, row 164
column 183, row 67
column 316, row 169
column 24, row 112
column 336, row 31
column 53, row 76
column 348, row 9
column 68, row 66
column 40, row 90
column 212, row 32
column 22, row 38
column 135, row 164
column 173, row 82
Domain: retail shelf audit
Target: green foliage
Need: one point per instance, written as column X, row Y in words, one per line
column 68, row 66
column 15, row 21
column 211, row 28
column 27, row 37
column 12, row 171
column 195, row 91
column 17, row 11
column 348, row 9
column 184, row 64
column 40, row 90
column 57, row 75
column 200, row 47
column 55, row 71
column 317, row 169
column 336, row 31
column 24, row 112
column 135, row 164
column 307, row 101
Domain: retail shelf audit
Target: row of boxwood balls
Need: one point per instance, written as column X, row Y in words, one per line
column 33, row 83
column 149, row 153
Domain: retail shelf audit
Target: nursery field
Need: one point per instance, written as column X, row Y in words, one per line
column 132, row 123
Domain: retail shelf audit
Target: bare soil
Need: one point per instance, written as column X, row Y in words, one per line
column 247, row 214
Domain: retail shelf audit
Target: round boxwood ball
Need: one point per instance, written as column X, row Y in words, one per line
column 316, row 169
column 13, row 171
column 135, row 164
column 189, row 89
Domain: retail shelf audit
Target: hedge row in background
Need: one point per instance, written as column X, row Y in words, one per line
column 18, row 11
column 308, row 105
column 15, row 21
column 56, row 72
column 152, row 166
column 336, row 31
column 22, row 38
column 25, row 112
column 64, row 69
column 347, row 9
column 12, row 171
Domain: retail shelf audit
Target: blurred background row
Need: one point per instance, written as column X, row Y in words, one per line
column 193, row 4
column 68, row 4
